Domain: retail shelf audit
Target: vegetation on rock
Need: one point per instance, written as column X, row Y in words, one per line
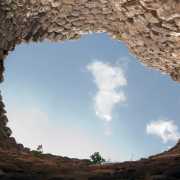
column 96, row 158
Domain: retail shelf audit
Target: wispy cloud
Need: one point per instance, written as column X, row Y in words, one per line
column 109, row 79
column 167, row 130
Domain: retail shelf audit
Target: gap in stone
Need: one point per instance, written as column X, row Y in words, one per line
column 49, row 94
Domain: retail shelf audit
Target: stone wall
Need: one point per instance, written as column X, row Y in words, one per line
column 150, row 28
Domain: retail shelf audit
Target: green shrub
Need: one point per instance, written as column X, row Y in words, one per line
column 96, row 158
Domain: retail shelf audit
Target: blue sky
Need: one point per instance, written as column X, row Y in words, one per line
column 89, row 95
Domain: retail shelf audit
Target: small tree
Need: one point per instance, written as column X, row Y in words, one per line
column 96, row 158
column 40, row 148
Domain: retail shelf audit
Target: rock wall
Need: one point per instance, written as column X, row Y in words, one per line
column 30, row 166
column 150, row 28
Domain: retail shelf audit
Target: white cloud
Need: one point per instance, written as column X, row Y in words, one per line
column 108, row 79
column 167, row 130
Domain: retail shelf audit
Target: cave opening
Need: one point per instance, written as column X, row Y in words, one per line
column 133, row 109
column 50, row 99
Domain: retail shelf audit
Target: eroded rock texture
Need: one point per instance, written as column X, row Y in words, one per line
column 150, row 29
column 28, row 166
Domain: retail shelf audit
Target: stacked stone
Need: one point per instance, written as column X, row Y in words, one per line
column 150, row 28
column 6, row 141
column 5, row 132
column 152, row 33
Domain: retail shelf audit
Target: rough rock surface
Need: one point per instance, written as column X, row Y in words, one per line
column 28, row 166
column 150, row 29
